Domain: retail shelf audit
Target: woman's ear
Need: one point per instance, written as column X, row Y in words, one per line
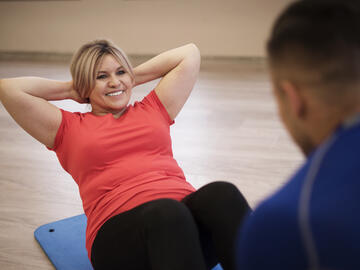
column 295, row 100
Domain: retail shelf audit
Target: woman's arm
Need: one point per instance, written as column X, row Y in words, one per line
column 26, row 100
column 179, row 69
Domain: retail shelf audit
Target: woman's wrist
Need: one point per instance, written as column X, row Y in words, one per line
column 70, row 92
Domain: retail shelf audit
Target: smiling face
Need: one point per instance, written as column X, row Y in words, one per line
column 112, row 90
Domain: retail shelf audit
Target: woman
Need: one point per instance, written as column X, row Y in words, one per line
column 142, row 214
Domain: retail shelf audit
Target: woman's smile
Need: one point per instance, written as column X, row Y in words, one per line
column 115, row 93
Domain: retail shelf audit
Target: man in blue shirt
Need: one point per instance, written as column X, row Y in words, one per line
column 313, row 222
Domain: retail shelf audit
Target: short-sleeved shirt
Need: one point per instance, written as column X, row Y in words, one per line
column 121, row 163
column 312, row 222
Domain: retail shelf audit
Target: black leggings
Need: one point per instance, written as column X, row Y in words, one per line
column 164, row 234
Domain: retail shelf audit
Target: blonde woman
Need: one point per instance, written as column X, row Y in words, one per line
column 142, row 213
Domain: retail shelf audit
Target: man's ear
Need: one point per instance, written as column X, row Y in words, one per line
column 295, row 100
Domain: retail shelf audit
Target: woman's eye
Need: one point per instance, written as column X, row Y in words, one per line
column 120, row 72
column 101, row 77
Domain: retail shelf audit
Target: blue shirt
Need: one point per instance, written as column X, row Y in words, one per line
column 313, row 222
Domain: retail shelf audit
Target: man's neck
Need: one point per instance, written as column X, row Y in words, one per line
column 326, row 123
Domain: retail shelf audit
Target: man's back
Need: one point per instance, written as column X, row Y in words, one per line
column 313, row 221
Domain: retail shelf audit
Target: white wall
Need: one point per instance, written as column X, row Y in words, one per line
column 219, row 28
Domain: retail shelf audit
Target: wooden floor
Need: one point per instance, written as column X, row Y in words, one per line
column 228, row 130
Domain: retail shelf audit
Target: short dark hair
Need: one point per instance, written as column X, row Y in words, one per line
column 321, row 37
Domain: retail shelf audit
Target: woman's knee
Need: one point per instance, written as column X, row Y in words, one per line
column 219, row 192
column 228, row 196
column 222, row 188
column 166, row 212
column 217, row 201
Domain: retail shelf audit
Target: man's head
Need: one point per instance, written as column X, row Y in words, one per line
column 314, row 60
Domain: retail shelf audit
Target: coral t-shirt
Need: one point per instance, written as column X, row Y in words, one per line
column 120, row 163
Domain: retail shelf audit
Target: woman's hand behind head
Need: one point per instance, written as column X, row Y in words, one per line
column 74, row 95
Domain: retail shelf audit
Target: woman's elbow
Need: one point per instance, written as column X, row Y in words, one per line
column 194, row 54
column 194, row 50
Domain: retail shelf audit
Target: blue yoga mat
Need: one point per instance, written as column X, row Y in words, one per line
column 63, row 242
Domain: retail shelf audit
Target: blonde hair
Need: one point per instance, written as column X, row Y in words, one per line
column 85, row 64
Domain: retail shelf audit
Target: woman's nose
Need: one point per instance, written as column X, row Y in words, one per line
column 114, row 82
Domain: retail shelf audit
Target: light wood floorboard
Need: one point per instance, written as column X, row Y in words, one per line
column 228, row 130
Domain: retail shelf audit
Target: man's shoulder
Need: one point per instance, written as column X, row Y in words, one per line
column 272, row 232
